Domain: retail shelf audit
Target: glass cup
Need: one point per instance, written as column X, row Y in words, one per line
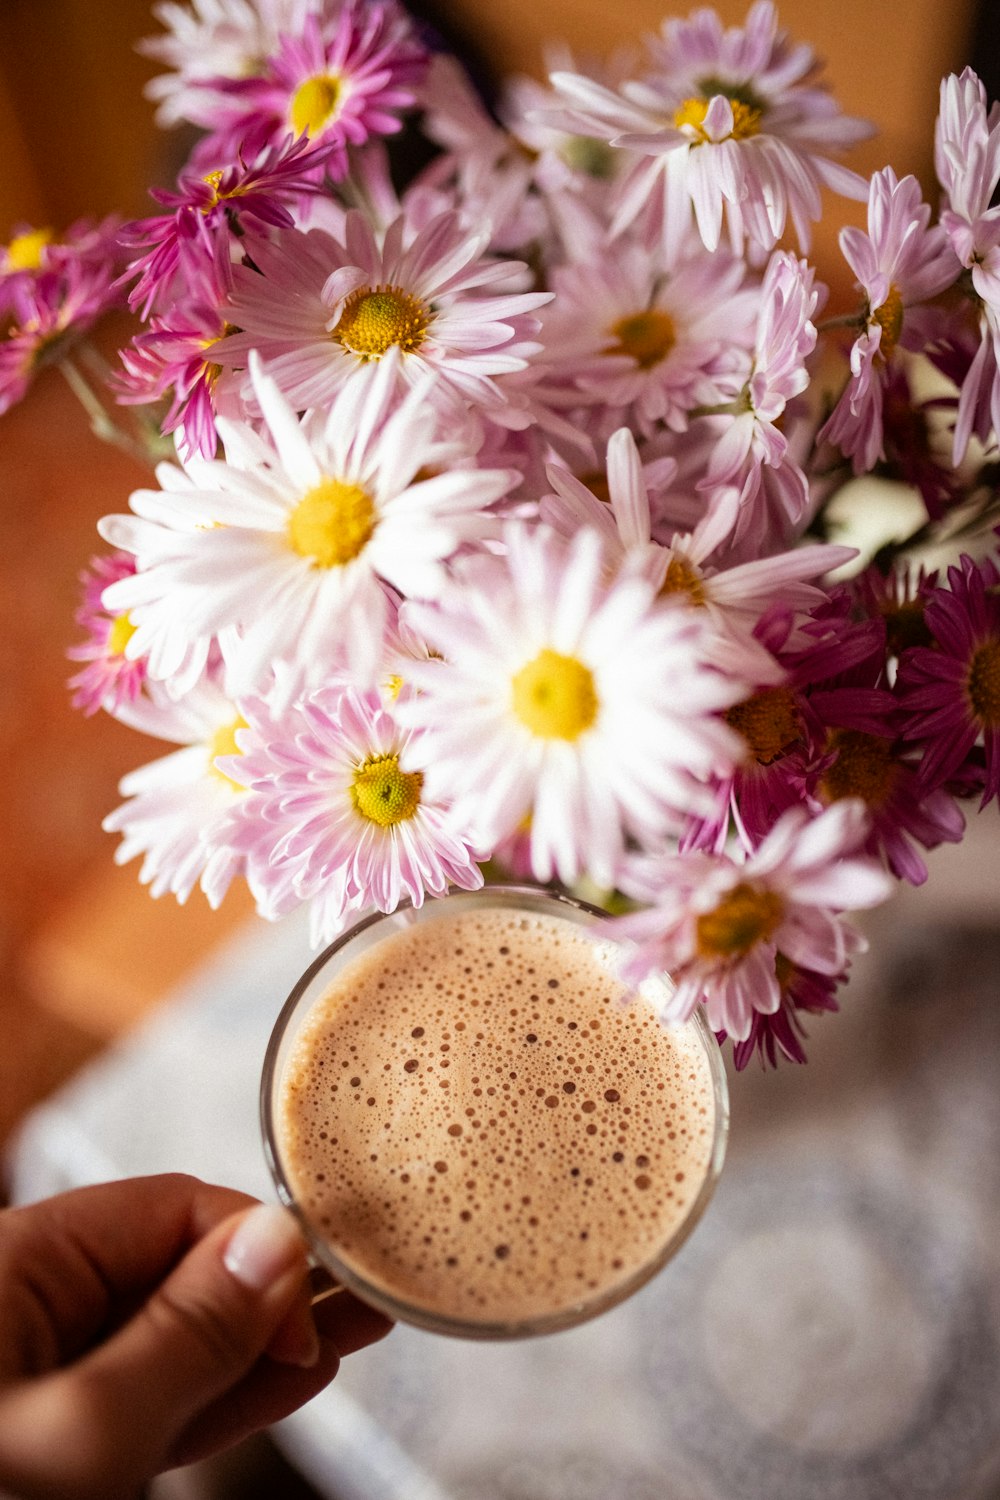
column 592, row 1296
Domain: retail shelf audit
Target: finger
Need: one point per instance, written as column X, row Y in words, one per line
column 72, row 1264
column 119, row 1411
column 271, row 1392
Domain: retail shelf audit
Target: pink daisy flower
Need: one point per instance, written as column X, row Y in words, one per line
column 951, row 692
column 717, row 926
column 901, row 262
column 337, row 813
column 751, row 451
column 337, row 79
column 967, row 159
column 647, row 340
column 321, row 312
column 288, row 548
column 726, row 123
column 560, row 696
column 692, row 568
column 110, row 678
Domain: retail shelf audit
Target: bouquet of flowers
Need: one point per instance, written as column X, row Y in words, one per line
column 496, row 519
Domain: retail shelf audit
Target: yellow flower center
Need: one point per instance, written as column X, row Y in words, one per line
column 121, row 632
column 746, row 118
column 744, row 917
column 384, row 794
column 375, row 318
column 554, row 696
column 314, row 104
column 24, row 253
column 683, row 578
column 223, row 742
column 889, row 317
column 647, row 336
column 769, row 722
column 864, row 768
column 332, row 523
column 983, row 684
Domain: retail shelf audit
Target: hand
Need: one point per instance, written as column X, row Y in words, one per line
column 149, row 1323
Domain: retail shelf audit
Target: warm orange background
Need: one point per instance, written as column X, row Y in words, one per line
column 82, row 948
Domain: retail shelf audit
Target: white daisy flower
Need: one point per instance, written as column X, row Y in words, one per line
column 299, row 540
column 176, row 806
column 579, row 703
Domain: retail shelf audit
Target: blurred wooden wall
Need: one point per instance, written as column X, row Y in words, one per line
column 76, row 134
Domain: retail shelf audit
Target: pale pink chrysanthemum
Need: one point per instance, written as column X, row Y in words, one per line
column 287, row 549
column 718, row 926
column 175, row 806
column 967, row 160
column 110, row 677
column 647, row 339
column 321, row 312
column 724, row 124
column 579, row 702
column 692, row 568
column 336, row 812
column 751, row 452
column 901, row 262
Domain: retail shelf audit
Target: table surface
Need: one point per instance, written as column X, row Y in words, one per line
column 830, row 1330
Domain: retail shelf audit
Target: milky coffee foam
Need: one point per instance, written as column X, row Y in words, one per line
column 483, row 1128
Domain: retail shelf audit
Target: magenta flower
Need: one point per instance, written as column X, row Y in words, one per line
column 110, row 678
column 252, row 191
column 35, row 256
column 337, row 80
column 951, row 692
column 173, row 358
column 52, row 312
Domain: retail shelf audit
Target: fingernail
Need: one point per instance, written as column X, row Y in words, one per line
column 265, row 1244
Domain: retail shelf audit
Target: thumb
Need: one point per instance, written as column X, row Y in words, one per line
column 119, row 1410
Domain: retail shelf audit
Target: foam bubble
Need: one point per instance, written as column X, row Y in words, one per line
column 482, row 1125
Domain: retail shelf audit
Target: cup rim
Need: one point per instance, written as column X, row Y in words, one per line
column 399, row 1309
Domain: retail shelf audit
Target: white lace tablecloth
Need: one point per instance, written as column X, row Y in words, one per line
column 830, row 1332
